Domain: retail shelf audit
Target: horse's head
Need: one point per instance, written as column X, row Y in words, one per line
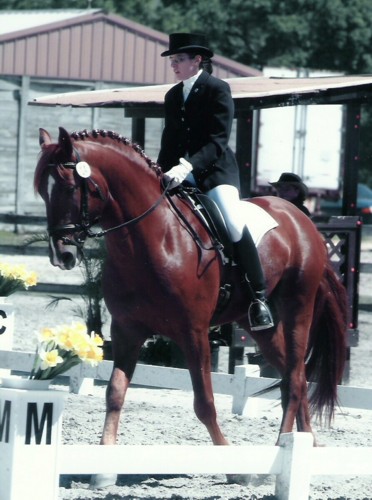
column 72, row 198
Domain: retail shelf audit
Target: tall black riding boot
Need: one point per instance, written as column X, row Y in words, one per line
column 259, row 315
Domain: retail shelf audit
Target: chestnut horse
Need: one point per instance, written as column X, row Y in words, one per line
column 159, row 277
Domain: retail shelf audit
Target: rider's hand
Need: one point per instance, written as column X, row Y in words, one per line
column 176, row 175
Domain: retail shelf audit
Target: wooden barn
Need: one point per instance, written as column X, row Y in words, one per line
column 58, row 51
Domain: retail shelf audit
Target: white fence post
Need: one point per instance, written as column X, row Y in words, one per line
column 246, row 384
column 294, row 481
column 79, row 382
column 239, row 389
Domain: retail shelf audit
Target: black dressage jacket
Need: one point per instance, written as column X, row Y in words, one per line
column 199, row 130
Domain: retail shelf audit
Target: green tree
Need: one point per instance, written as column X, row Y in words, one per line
column 341, row 36
column 56, row 4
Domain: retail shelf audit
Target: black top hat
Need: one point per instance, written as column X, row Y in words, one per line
column 187, row 42
column 289, row 178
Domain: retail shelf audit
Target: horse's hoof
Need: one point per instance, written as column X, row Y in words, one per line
column 242, row 479
column 98, row 481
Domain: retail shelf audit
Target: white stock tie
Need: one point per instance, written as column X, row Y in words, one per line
column 186, row 90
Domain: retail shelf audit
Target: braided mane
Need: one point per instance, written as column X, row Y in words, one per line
column 94, row 134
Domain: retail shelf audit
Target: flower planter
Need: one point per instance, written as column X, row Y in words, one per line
column 16, row 382
column 31, row 426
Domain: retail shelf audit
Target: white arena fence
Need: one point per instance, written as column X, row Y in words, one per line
column 293, row 463
column 243, row 385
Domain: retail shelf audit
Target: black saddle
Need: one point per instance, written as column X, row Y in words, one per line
column 209, row 213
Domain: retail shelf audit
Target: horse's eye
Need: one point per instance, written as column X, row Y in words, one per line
column 70, row 189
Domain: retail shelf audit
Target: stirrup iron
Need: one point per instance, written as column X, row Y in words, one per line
column 259, row 315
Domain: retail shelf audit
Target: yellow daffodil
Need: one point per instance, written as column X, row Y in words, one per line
column 92, row 356
column 97, row 339
column 47, row 334
column 14, row 278
column 63, row 347
column 50, row 359
column 31, row 279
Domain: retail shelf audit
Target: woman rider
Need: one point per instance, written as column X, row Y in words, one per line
column 194, row 147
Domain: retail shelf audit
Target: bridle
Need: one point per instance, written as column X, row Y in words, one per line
column 84, row 227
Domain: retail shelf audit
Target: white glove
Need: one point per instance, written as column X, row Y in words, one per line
column 178, row 174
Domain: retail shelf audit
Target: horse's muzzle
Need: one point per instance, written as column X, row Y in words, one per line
column 64, row 255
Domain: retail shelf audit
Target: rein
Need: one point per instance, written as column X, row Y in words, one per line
column 99, row 234
column 85, row 225
column 216, row 245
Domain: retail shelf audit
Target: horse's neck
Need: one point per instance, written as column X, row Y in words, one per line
column 132, row 191
column 137, row 208
column 130, row 184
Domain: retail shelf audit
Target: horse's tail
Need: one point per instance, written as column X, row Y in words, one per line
column 327, row 348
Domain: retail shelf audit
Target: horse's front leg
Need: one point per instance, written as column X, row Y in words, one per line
column 115, row 395
column 125, row 351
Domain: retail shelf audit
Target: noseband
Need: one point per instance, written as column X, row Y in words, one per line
column 86, row 224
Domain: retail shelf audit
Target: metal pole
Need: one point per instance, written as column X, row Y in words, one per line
column 351, row 158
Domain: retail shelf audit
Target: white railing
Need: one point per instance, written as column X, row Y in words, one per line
column 293, row 463
column 243, row 385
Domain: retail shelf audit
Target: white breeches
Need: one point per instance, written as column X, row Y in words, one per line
column 228, row 201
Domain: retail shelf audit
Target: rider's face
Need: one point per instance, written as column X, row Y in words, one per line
column 185, row 65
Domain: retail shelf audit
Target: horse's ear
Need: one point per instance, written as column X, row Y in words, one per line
column 64, row 140
column 44, row 138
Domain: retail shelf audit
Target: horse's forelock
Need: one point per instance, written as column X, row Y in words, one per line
column 47, row 156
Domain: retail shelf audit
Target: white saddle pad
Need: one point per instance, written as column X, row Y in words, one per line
column 258, row 221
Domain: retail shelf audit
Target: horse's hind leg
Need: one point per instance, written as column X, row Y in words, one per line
column 285, row 350
column 294, row 385
column 295, row 402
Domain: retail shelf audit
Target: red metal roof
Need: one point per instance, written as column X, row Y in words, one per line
column 96, row 47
